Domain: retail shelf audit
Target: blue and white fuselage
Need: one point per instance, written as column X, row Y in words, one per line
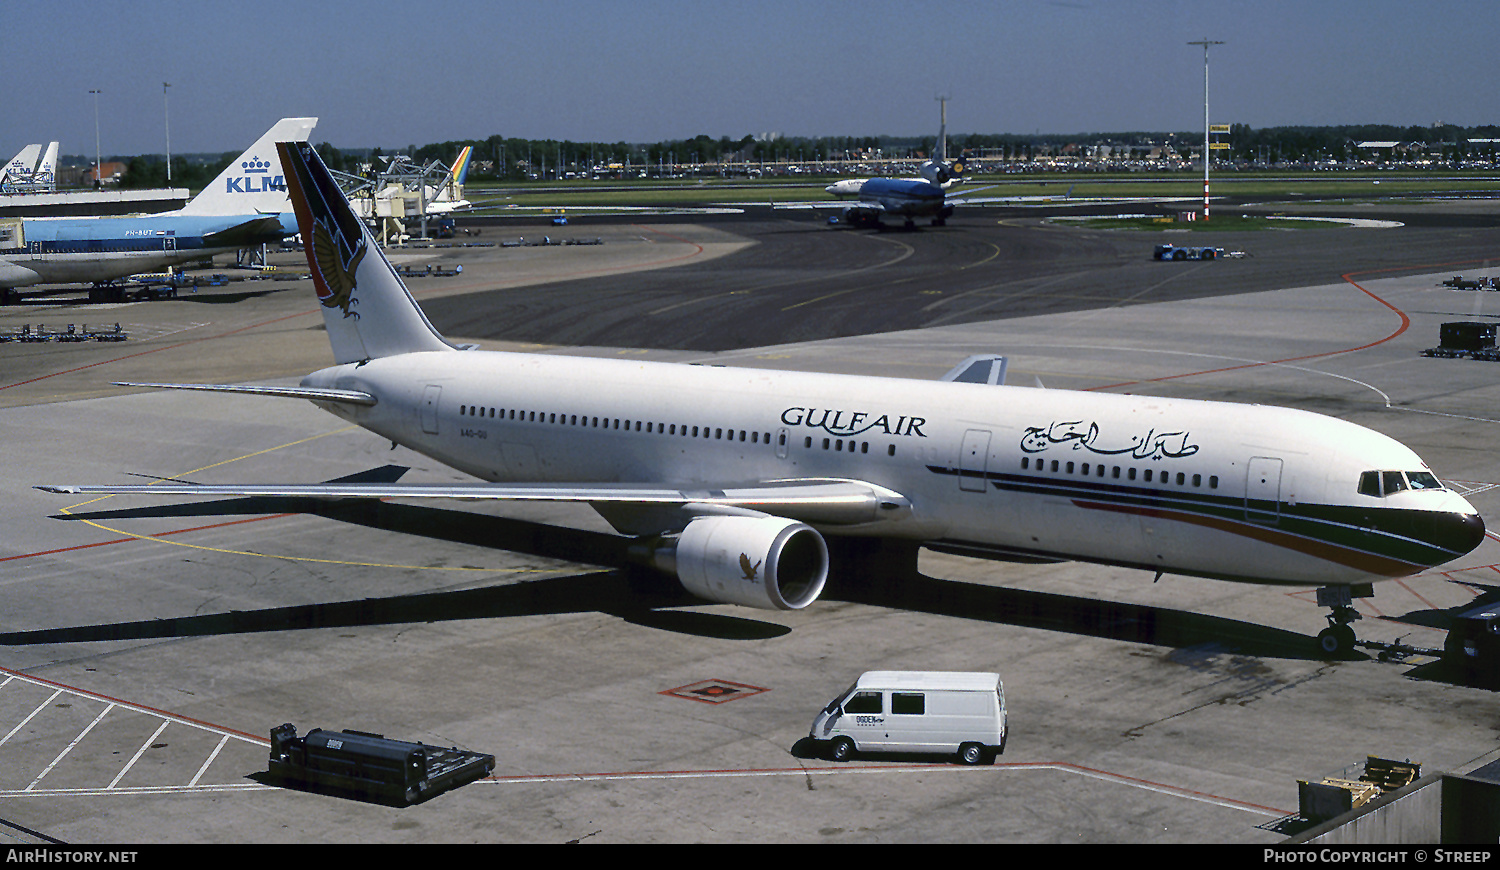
column 907, row 198
column 244, row 207
column 76, row 250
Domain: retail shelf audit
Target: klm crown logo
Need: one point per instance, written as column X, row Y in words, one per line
column 257, row 178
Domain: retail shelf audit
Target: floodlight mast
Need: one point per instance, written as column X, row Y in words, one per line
column 1205, row 42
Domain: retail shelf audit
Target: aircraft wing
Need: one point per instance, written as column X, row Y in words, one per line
column 817, row 203
column 812, row 500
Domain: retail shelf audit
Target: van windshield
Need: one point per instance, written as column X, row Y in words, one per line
column 836, row 702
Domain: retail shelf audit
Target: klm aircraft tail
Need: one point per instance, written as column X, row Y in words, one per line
column 18, row 170
column 46, row 171
column 367, row 309
column 254, row 182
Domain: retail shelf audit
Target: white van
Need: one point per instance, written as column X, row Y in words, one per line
column 916, row 711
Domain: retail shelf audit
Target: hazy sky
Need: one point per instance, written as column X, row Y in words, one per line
column 395, row 74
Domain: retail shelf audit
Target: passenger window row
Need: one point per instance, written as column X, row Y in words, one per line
column 682, row 429
column 839, row 445
column 1115, row 472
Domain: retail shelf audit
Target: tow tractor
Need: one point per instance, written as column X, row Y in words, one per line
column 1173, row 252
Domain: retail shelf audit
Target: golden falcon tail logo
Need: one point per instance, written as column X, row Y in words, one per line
column 337, row 284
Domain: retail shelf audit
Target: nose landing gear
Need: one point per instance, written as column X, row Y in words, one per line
column 1338, row 640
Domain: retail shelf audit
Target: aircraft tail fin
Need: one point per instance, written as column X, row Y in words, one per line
column 367, row 309
column 943, row 172
column 461, row 165
column 254, row 182
column 18, row 170
column 46, row 169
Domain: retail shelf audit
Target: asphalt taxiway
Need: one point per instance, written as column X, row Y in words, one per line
column 148, row 646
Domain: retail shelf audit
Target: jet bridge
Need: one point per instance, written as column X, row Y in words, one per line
column 401, row 189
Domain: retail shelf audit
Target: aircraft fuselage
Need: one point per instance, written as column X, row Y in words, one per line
column 64, row 251
column 1236, row 492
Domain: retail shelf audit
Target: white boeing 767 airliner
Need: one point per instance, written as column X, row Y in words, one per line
column 732, row 478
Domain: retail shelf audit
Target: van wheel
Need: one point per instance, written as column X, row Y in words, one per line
column 972, row 753
column 841, row 749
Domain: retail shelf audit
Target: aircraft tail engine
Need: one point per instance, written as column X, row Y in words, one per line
column 756, row 561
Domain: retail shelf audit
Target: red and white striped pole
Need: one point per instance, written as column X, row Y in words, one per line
column 1205, row 43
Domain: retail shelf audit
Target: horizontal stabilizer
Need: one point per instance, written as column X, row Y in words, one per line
column 256, row 231
column 985, row 368
column 314, row 394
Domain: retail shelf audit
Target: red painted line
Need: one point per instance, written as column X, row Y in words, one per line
column 128, row 540
column 853, row 768
column 134, row 706
column 1347, row 277
column 671, row 774
column 1415, row 594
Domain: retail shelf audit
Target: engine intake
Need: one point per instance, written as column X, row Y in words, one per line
column 766, row 562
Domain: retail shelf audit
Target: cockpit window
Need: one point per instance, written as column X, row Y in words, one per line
column 1383, row 483
column 1422, row 480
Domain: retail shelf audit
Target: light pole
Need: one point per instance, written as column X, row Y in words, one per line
column 167, row 119
column 1205, row 43
column 98, row 163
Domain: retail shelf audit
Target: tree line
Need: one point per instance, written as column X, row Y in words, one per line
column 515, row 159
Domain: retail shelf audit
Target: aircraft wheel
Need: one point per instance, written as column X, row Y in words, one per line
column 1336, row 640
column 841, row 750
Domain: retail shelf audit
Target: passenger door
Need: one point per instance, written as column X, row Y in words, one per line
column 973, row 460
column 430, row 397
column 1263, row 490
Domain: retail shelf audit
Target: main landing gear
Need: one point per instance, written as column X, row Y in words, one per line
column 1338, row 638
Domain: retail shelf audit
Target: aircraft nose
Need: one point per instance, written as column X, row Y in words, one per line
column 1468, row 531
column 1460, row 529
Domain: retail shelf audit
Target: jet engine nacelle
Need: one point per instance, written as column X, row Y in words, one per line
column 755, row 561
column 940, row 173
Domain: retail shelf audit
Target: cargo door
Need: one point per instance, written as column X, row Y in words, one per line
column 1263, row 490
column 973, row 460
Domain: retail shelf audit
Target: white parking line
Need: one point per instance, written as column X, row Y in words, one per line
column 14, row 679
column 69, row 748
